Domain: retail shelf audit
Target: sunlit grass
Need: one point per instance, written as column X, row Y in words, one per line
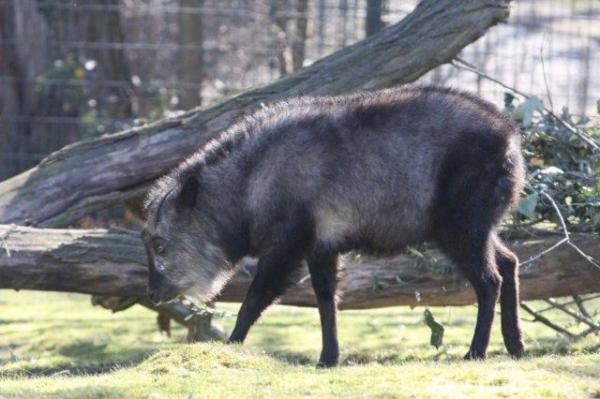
column 58, row 345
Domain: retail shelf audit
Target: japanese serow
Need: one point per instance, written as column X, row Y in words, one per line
column 310, row 178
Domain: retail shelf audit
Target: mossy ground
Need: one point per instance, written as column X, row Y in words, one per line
column 58, row 345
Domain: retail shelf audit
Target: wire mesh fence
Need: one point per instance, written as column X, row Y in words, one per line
column 76, row 69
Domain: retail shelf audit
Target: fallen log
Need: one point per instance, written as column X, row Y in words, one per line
column 96, row 173
column 113, row 263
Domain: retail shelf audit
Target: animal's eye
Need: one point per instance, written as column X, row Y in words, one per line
column 159, row 248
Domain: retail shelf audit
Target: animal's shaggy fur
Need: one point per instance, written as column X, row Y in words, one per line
column 309, row 178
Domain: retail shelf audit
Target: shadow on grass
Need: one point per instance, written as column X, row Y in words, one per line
column 559, row 347
column 274, row 340
column 553, row 347
column 293, row 358
column 65, row 320
column 85, row 392
column 126, row 359
column 358, row 358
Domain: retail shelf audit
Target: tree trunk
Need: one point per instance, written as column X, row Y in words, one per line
column 113, row 65
column 278, row 16
column 321, row 25
column 114, row 263
column 373, row 21
column 190, row 61
column 93, row 174
column 23, row 57
column 299, row 43
column 343, row 9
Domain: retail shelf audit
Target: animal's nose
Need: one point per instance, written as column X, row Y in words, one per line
column 153, row 296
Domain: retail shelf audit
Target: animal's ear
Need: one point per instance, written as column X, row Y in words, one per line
column 188, row 194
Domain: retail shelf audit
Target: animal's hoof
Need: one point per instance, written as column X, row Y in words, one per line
column 326, row 365
column 326, row 362
column 517, row 352
column 472, row 355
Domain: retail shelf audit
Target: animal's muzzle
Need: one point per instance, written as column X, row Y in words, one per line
column 162, row 294
column 153, row 296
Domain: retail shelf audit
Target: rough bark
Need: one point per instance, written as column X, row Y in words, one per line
column 113, row 263
column 96, row 173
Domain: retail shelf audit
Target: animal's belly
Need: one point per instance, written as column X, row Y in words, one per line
column 383, row 232
column 335, row 225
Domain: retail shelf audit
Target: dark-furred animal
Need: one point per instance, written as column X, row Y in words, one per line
column 309, row 178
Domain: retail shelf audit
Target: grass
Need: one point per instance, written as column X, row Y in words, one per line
column 58, row 345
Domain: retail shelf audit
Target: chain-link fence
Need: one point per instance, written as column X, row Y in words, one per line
column 76, row 69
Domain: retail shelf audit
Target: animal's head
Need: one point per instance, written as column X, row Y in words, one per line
column 181, row 241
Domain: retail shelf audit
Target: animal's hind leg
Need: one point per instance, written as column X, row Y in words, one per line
column 323, row 268
column 508, row 265
column 475, row 257
column 483, row 275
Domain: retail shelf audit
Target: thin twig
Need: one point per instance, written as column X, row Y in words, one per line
column 538, row 317
column 579, row 302
column 4, row 237
column 581, row 318
column 472, row 68
column 556, row 305
column 589, row 298
column 564, row 227
column 544, row 73
column 544, row 252
column 586, row 332
column 566, row 239
column 558, row 213
column 587, row 257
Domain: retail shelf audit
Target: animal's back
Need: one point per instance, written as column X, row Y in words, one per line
column 368, row 166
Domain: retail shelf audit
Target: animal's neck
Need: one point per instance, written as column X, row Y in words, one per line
column 227, row 206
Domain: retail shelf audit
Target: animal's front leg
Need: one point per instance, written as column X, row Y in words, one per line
column 273, row 277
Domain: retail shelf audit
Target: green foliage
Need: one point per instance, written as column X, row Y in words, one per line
column 559, row 163
column 73, row 82
column 80, row 89
column 437, row 330
column 429, row 258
